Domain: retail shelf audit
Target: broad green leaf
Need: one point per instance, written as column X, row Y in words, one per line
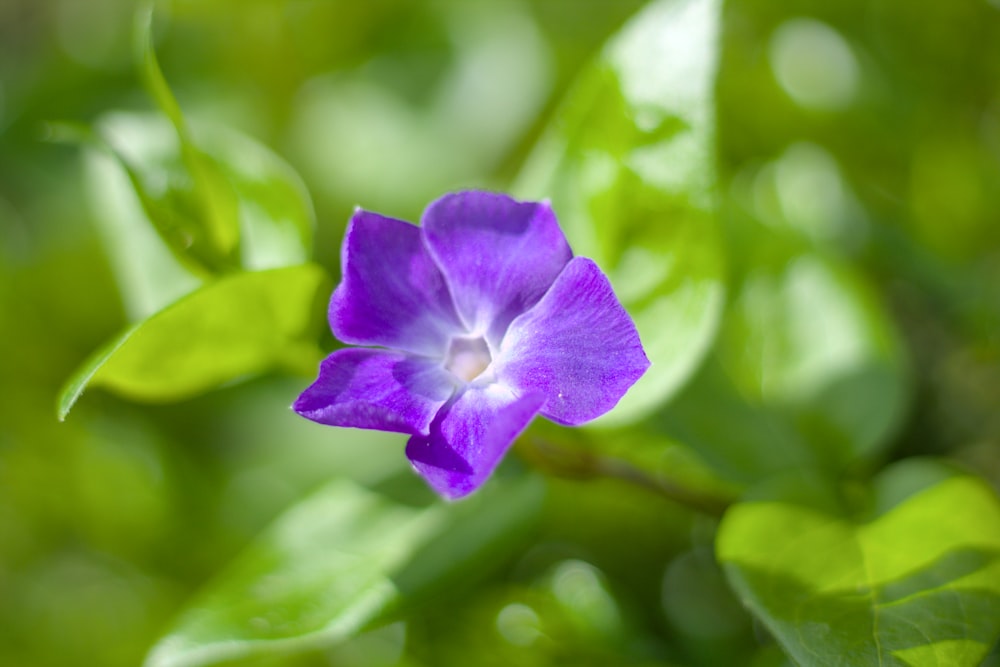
column 338, row 562
column 145, row 202
column 240, row 325
column 910, row 579
column 630, row 168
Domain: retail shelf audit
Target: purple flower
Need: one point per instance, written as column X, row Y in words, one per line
column 478, row 320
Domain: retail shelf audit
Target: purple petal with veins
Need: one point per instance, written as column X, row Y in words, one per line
column 577, row 346
column 378, row 389
column 392, row 293
column 498, row 255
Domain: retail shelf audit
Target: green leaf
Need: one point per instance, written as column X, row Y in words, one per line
column 139, row 195
column 630, row 168
column 240, row 325
column 74, row 387
column 275, row 211
column 147, row 211
column 911, row 576
column 338, row 562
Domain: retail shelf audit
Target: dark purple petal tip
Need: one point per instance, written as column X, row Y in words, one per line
column 376, row 389
column 469, row 438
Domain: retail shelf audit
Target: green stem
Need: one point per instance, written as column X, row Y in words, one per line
column 581, row 464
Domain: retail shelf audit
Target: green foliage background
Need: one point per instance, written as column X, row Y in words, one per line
column 796, row 201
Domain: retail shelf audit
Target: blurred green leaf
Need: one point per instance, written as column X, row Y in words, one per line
column 570, row 614
column 808, row 371
column 630, row 167
column 338, row 562
column 809, row 339
column 739, row 440
column 912, row 577
column 240, row 325
column 148, row 186
column 139, row 198
column 703, row 612
column 275, row 211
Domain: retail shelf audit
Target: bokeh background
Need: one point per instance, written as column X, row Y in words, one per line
column 872, row 127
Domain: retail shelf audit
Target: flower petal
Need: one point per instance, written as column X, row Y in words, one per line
column 378, row 389
column 578, row 347
column 392, row 292
column 469, row 437
column 498, row 255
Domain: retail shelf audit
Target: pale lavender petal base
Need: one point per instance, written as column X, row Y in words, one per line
column 377, row 389
column 577, row 346
column 469, row 438
column 498, row 255
column 392, row 293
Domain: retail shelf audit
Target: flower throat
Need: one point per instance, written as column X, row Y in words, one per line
column 467, row 358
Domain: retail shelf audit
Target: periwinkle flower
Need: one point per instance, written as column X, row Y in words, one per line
column 477, row 321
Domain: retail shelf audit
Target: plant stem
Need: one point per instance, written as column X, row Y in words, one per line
column 581, row 464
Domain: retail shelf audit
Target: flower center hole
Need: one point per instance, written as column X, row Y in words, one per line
column 468, row 358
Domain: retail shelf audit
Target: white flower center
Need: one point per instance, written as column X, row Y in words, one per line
column 467, row 358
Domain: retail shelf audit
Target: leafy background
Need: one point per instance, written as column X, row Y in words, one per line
column 796, row 201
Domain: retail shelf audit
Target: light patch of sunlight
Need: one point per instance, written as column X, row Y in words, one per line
column 804, row 189
column 814, row 64
column 680, row 69
column 579, row 587
column 519, row 624
column 823, row 342
column 814, row 197
column 364, row 141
